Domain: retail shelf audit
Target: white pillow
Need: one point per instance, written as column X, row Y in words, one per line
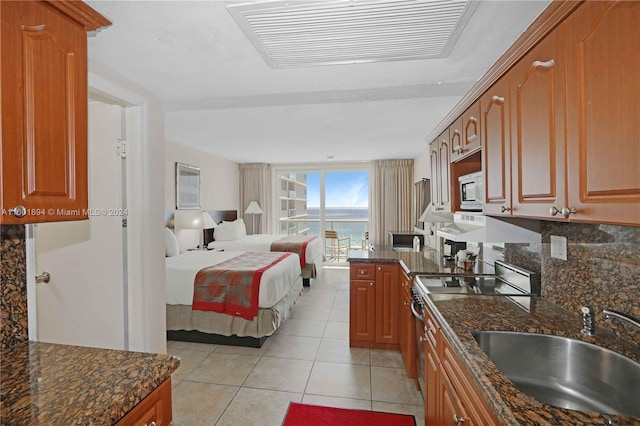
column 226, row 231
column 242, row 228
column 170, row 243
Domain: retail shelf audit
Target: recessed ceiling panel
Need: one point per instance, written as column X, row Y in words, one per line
column 311, row 33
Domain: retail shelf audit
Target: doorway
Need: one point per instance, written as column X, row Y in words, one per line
column 86, row 301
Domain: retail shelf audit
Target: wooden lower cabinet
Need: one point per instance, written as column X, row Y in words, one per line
column 154, row 410
column 451, row 397
column 407, row 328
column 374, row 305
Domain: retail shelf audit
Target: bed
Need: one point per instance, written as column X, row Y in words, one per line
column 237, row 240
column 280, row 287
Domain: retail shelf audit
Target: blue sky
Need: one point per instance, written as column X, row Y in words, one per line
column 343, row 189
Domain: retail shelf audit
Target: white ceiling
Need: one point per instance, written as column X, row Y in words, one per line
column 221, row 96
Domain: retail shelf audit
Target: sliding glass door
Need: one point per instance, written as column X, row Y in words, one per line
column 315, row 200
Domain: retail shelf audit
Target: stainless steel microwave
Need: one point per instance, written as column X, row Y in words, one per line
column 471, row 191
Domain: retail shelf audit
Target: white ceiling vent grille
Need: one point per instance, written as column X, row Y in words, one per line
column 309, row 33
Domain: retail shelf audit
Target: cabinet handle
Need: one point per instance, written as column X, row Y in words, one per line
column 379, row 268
column 422, row 339
column 504, row 209
column 540, row 64
column 458, row 420
column 371, row 284
column 497, row 99
column 405, row 303
column 44, row 277
column 18, row 211
column 564, row 211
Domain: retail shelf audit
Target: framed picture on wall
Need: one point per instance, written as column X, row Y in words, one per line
column 187, row 187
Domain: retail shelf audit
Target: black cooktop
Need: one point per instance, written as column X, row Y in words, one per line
column 467, row 285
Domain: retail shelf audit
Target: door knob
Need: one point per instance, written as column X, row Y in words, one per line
column 18, row 211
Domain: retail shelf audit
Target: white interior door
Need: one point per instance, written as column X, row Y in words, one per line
column 84, row 302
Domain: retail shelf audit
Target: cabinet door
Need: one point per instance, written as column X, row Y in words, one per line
column 154, row 409
column 603, row 151
column 456, row 137
column 407, row 329
column 538, row 131
column 44, row 114
column 496, row 148
column 435, row 173
column 452, row 411
column 432, row 393
column 445, row 174
column 465, row 133
column 471, row 129
column 362, row 301
column 387, row 302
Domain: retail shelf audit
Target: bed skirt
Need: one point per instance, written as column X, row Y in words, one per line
column 183, row 323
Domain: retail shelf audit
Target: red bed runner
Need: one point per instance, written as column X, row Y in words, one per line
column 294, row 244
column 233, row 286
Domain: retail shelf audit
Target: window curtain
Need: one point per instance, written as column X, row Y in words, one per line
column 391, row 195
column 255, row 185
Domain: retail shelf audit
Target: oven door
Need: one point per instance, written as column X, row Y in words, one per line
column 416, row 309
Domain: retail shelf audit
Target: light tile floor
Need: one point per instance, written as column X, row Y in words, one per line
column 308, row 360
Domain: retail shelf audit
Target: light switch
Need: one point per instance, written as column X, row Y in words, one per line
column 559, row 247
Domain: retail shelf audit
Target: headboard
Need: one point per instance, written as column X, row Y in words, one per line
column 218, row 216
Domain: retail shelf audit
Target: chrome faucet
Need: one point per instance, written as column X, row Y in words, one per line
column 610, row 314
column 588, row 323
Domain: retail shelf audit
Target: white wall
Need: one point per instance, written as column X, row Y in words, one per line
column 147, row 292
column 219, row 184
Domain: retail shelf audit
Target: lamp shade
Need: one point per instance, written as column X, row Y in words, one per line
column 188, row 219
column 253, row 208
column 207, row 221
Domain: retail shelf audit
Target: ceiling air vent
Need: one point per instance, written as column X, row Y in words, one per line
column 310, row 33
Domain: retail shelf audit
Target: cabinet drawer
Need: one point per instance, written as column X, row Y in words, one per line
column 155, row 409
column 363, row 271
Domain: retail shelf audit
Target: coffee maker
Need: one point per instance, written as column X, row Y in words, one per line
column 449, row 248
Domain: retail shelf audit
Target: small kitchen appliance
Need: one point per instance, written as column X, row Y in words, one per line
column 471, row 191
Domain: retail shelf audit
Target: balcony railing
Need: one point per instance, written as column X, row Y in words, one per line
column 353, row 228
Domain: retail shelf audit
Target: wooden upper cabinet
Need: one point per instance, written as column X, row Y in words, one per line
column 467, row 133
column 44, row 110
column 440, row 172
column 603, row 41
column 538, row 129
column 435, row 173
column 444, row 171
column 496, row 148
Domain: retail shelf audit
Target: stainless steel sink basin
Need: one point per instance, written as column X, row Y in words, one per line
column 565, row 372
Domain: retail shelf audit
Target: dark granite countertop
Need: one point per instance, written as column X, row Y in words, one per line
column 51, row 384
column 459, row 315
column 424, row 262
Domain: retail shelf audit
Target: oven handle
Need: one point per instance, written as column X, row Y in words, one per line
column 415, row 313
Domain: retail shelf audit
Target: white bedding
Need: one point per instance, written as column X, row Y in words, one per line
column 262, row 243
column 181, row 270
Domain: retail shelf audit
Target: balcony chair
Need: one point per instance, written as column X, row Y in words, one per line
column 336, row 245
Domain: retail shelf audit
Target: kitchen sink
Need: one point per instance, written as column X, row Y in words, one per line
column 565, row 372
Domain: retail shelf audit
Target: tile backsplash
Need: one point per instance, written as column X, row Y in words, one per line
column 13, row 286
column 602, row 269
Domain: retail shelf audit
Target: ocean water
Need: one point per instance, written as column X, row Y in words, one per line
column 346, row 221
